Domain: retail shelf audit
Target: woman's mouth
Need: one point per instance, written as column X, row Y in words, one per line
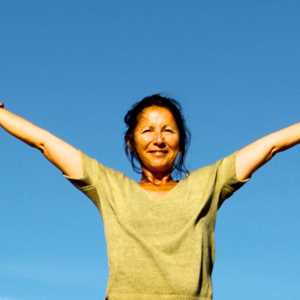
column 158, row 152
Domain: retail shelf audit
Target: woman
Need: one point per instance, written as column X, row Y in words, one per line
column 160, row 231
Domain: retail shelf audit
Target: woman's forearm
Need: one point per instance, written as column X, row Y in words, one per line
column 22, row 129
column 259, row 152
column 64, row 156
column 287, row 137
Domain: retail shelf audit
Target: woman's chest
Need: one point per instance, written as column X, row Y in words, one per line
column 160, row 212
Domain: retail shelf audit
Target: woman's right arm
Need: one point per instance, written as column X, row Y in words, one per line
column 61, row 154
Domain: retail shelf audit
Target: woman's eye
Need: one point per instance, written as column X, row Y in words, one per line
column 146, row 130
column 169, row 130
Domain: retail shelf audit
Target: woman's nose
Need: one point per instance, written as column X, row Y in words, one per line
column 159, row 139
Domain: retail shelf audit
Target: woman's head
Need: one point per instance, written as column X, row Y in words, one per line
column 156, row 136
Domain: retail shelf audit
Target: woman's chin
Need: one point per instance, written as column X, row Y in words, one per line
column 159, row 168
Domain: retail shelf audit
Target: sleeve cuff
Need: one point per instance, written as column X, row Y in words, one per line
column 84, row 181
column 234, row 171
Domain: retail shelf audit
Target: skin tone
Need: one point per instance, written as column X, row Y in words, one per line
column 156, row 142
column 157, row 170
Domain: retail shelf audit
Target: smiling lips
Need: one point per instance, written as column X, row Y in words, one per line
column 158, row 152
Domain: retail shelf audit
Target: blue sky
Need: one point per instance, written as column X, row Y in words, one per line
column 75, row 68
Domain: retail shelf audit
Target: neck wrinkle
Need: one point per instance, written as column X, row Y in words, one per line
column 158, row 180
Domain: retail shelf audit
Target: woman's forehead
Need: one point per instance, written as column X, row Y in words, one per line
column 157, row 115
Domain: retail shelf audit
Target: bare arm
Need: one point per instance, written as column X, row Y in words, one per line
column 256, row 154
column 61, row 154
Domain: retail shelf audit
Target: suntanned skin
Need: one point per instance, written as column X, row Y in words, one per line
column 60, row 153
column 156, row 142
column 156, row 130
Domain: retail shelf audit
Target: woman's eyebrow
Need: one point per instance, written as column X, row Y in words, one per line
column 147, row 126
column 170, row 126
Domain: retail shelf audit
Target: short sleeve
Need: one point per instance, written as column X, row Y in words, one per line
column 226, row 181
column 93, row 171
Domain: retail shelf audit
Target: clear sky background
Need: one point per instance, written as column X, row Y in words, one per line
column 75, row 67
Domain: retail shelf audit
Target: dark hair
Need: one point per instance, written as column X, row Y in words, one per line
column 131, row 120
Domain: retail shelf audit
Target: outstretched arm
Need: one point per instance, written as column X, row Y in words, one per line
column 256, row 154
column 61, row 154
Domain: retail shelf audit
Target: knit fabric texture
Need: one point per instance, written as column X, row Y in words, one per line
column 159, row 247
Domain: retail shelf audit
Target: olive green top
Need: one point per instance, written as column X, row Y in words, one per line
column 159, row 247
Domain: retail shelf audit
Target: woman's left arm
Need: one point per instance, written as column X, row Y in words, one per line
column 256, row 154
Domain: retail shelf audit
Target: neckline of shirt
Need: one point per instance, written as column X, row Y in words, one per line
column 164, row 198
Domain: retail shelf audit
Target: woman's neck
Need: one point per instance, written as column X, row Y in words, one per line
column 156, row 179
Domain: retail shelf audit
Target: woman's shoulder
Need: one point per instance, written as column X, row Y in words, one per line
column 204, row 169
column 97, row 168
column 209, row 170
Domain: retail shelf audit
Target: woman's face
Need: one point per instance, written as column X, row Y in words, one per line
column 156, row 139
